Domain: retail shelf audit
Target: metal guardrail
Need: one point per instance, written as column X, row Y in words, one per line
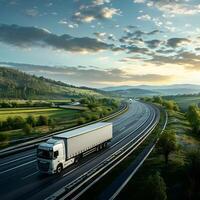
column 32, row 144
column 104, row 167
column 117, row 192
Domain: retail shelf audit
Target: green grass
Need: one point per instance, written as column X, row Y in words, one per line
column 185, row 101
column 173, row 174
column 55, row 113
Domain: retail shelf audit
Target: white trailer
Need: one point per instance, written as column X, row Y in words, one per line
column 66, row 148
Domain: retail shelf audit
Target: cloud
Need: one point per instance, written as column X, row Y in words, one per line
column 32, row 12
column 24, row 37
column 144, row 17
column 153, row 43
column 89, row 75
column 186, row 59
column 93, row 11
column 176, row 42
column 173, row 7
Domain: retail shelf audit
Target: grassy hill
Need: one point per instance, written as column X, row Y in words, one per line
column 19, row 85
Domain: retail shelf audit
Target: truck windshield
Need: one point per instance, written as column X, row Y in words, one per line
column 41, row 153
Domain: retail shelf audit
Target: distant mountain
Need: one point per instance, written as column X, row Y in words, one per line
column 19, row 85
column 161, row 90
column 134, row 92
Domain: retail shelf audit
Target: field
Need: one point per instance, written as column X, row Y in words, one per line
column 185, row 101
column 56, row 113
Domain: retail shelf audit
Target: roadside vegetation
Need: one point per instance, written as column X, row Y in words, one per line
column 26, row 120
column 184, row 101
column 172, row 169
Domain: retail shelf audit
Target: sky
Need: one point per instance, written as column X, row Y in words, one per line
column 99, row 43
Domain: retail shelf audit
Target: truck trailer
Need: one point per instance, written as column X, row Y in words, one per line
column 67, row 148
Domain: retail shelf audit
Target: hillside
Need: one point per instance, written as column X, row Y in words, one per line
column 19, row 85
column 177, row 89
column 135, row 92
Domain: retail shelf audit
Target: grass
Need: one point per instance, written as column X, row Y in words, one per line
column 56, row 113
column 173, row 174
column 185, row 101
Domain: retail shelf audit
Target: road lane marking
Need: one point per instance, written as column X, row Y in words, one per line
column 29, row 175
column 17, row 167
column 17, row 159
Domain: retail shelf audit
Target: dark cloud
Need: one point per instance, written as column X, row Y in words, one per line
column 153, row 43
column 88, row 75
column 186, row 59
column 31, row 36
column 175, row 42
column 135, row 49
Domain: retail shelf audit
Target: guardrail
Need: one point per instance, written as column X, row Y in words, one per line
column 32, row 144
column 147, row 152
column 78, row 186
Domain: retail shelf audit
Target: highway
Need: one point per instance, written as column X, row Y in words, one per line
column 19, row 178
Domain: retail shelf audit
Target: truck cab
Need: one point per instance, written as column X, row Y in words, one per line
column 51, row 156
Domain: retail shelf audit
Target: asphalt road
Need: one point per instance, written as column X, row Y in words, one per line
column 19, row 178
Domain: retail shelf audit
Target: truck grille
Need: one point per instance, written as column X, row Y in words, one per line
column 43, row 166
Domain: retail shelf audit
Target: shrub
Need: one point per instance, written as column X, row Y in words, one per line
column 42, row 120
column 81, row 120
column 27, row 129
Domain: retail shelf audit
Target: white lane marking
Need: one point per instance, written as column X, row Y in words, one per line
column 17, row 159
column 72, row 171
column 122, row 129
column 17, row 167
column 30, row 175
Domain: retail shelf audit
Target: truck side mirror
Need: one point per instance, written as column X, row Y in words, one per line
column 55, row 155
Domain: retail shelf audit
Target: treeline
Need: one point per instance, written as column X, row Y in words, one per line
column 169, row 104
column 193, row 116
column 98, row 108
column 15, row 104
column 18, row 122
column 19, row 85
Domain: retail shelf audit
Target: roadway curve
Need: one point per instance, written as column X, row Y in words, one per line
column 19, row 178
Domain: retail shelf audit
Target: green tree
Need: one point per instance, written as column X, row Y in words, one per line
column 194, row 117
column 18, row 122
column 42, row 120
column 193, row 174
column 81, row 120
column 31, row 120
column 167, row 144
column 27, row 128
column 155, row 188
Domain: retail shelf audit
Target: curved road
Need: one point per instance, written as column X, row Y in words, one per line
column 19, row 178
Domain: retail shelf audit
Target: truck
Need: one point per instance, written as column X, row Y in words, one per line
column 68, row 147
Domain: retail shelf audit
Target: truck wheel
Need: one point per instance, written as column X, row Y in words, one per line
column 59, row 169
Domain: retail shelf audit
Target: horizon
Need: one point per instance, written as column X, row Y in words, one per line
column 103, row 43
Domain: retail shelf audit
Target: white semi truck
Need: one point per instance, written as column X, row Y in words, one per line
column 67, row 148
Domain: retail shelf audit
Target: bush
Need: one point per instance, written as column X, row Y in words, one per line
column 81, row 120
column 3, row 137
column 42, row 120
column 27, row 129
column 155, row 187
column 95, row 117
column 31, row 120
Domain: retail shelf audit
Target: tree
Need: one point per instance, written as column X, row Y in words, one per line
column 193, row 174
column 31, row 120
column 155, row 187
column 18, row 122
column 42, row 120
column 167, row 144
column 81, row 120
column 194, row 117
column 27, row 128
